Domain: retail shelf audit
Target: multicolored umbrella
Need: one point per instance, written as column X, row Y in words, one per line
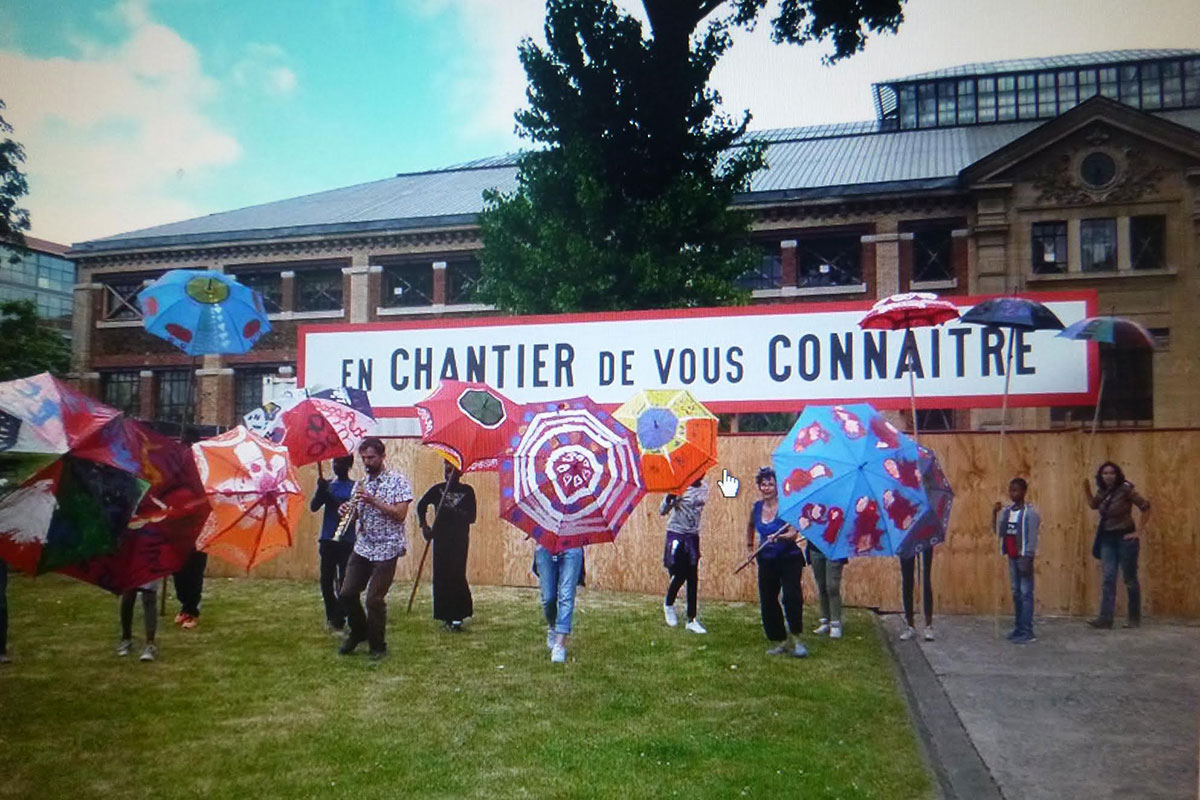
column 66, row 486
column 469, row 424
column 203, row 312
column 324, row 424
column 905, row 312
column 1119, row 333
column 676, row 436
column 162, row 531
column 572, row 477
column 255, row 497
column 932, row 526
column 849, row 481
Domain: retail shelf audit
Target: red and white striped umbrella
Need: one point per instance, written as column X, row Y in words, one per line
column 573, row 477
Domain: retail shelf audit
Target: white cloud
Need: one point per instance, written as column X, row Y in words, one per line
column 261, row 69
column 115, row 134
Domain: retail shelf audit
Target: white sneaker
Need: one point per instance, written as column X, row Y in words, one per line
column 551, row 638
column 783, row 648
column 908, row 633
column 799, row 651
column 835, row 630
column 149, row 653
column 929, row 633
column 558, row 654
column 671, row 615
column 695, row 627
column 125, row 647
column 823, row 628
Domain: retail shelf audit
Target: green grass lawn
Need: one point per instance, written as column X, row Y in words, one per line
column 256, row 703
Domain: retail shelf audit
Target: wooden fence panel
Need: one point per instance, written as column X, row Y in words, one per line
column 970, row 576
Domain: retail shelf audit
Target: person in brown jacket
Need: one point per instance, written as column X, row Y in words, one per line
column 1117, row 542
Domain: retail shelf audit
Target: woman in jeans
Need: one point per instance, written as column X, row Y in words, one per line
column 1117, row 543
column 558, row 575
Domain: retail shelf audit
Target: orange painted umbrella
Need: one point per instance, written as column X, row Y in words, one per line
column 676, row 436
column 255, row 497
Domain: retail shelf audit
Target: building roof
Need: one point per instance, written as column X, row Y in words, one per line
column 842, row 159
column 1099, row 58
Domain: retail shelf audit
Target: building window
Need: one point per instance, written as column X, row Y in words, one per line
column 947, row 103
column 1130, row 93
column 1098, row 241
column 1108, row 82
column 1047, row 95
column 1087, row 84
column 933, row 252
column 1006, row 98
column 1147, row 238
column 1049, row 248
column 407, row 285
column 120, row 299
column 121, row 391
column 927, row 104
column 248, row 388
column 987, row 99
column 1128, row 399
column 1097, row 170
column 1172, row 85
column 935, row 419
column 1191, row 82
column 1151, row 86
column 1027, row 96
column 267, row 283
column 966, row 102
column 1066, row 91
column 768, row 274
column 907, row 101
column 461, row 280
column 174, row 396
column 829, row 261
column 319, row 290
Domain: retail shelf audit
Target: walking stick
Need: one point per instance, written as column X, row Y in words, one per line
column 421, row 566
column 757, row 550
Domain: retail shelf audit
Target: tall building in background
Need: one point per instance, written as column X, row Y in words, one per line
column 44, row 274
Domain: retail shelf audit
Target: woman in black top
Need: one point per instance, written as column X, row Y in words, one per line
column 449, row 533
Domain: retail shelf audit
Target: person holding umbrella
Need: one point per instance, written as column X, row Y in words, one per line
column 559, row 574
column 1117, row 541
column 681, row 553
column 382, row 498
column 334, row 553
column 454, row 514
column 780, row 565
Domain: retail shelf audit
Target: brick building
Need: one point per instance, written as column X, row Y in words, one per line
column 1078, row 171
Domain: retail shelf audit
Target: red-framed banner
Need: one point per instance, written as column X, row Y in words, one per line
column 739, row 359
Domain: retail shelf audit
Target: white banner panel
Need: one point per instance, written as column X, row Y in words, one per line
column 750, row 358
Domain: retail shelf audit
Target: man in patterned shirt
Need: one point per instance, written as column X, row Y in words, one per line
column 383, row 498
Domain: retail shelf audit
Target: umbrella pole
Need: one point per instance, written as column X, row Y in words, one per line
column 1087, row 459
column 1012, row 335
column 421, row 566
column 912, row 400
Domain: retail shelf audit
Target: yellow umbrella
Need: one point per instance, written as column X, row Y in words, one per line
column 676, row 435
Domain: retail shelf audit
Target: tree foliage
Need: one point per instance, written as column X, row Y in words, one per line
column 13, row 219
column 626, row 202
column 28, row 347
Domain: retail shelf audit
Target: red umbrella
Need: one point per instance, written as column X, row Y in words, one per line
column 573, row 477
column 163, row 530
column 469, row 424
column 905, row 312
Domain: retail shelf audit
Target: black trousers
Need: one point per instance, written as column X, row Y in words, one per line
column 376, row 577
column 906, row 585
column 452, row 600
column 149, row 611
column 189, row 583
column 683, row 571
column 777, row 575
column 334, row 556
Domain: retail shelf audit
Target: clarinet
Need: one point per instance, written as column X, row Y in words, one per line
column 351, row 514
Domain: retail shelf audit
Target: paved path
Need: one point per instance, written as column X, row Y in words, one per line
column 1078, row 714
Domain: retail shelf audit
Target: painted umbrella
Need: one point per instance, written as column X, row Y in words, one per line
column 676, row 436
column 65, row 489
column 255, row 497
column 203, row 312
column 849, row 481
column 931, row 527
column 573, row 475
column 324, row 424
column 469, row 424
column 905, row 312
column 1115, row 333
column 162, row 532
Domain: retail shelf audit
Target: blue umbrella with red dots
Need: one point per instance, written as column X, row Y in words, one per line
column 572, row 476
column 203, row 312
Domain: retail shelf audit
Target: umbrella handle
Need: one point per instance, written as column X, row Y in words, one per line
column 321, row 470
column 417, row 580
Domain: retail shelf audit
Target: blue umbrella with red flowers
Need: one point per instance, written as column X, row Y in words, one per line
column 203, row 312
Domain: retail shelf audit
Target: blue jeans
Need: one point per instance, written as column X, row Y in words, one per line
column 1116, row 552
column 558, row 576
column 1020, row 575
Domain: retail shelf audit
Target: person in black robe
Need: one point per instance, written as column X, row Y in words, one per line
column 449, row 533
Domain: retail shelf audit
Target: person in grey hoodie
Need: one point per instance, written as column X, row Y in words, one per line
column 681, row 553
column 1017, row 525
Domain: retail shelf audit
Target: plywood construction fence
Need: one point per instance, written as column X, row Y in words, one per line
column 969, row 574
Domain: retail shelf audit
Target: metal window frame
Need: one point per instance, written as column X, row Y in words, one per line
column 332, row 277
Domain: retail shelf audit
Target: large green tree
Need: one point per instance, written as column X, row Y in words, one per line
column 625, row 200
column 28, row 347
column 14, row 221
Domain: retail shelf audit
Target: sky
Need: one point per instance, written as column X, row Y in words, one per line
column 139, row 112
